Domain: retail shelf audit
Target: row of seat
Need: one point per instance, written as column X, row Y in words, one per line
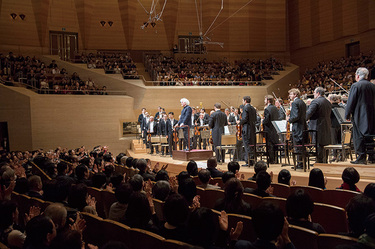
column 335, row 197
column 137, row 238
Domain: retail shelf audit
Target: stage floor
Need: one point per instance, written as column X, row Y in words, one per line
column 332, row 171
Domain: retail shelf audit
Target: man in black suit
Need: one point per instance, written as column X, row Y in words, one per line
column 201, row 122
column 170, row 124
column 360, row 109
column 279, row 106
column 234, row 117
column 141, row 116
column 185, row 119
column 162, row 131
column 297, row 118
column 152, row 129
column 249, row 118
column 319, row 113
column 217, row 121
column 158, row 115
column 271, row 114
column 144, row 122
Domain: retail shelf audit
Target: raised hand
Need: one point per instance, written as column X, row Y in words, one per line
column 236, row 232
column 223, row 220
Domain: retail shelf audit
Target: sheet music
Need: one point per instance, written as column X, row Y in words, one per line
column 280, row 125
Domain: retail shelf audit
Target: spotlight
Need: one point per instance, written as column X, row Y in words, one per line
column 102, row 23
column 153, row 24
column 22, row 16
column 145, row 24
column 13, row 15
column 110, row 23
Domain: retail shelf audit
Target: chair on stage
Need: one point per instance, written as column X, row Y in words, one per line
column 282, row 149
column 345, row 146
column 155, row 142
column 306, row 150
column 259, row 149
column 164, row 145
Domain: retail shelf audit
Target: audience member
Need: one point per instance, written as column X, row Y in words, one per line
column 258, row 167
column 350, row 177
column 263, row 184
column 317, row 179
column 192, row 168
column 118, row 209
column 211, row 166
column 205, row 177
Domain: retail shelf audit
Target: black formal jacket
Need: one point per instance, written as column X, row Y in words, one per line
column 169, row 127
column 140, row 119
column 361, row 107
column 232, row 119
column 271, row 113
column 162, row 128
column 185, row 116
column 249, row 118
column 155, row 127
column 319, row 113
column 217, row 122
column 298, row 119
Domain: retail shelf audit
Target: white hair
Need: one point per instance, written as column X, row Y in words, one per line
column 362, row 72
column 185, row 100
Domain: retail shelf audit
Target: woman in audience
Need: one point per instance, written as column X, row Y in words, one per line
column 299, row 208
column 370, row 190
column 140, row 214
column 161, row 190
column 350, row 177
column 232, row 202
column 284, row 177
column 118, row 209
column 188, row 189
column 176, row 212
column 316, row 179
column 192, row 168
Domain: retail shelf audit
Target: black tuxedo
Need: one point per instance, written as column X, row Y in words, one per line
column 140, row 118
column 249, row 118
column 271, row 113
column 360, row 108
column 169, row 129
column 319, row 113
column 202, row 122
column 185, row 119
column 298, row 120
column 217, row 121
column 162, row 128
column 154, row 125
column 232, row 119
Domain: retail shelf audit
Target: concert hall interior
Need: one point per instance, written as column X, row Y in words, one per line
column 82, row 76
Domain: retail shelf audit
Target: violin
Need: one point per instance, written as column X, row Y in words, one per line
column 197, row 132
column 211, row 139
column 239, row 130
column 287, row 137
column 149, row 137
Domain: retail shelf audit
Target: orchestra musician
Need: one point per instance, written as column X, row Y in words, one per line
column 279, row 106
column 158, row 114
column 144, row 123
column 360, row 110
column 170, row 124
column 297, row 118
column 217, row 122
column 227, row 114
column 319, row 114
column 248, row 120
column 271, row 113
column 194, row 118
column 152, row 129
column 200, row 123
column 234, row 117
column 185, row 119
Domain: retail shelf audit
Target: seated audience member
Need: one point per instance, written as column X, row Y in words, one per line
column 227, row 175
column 137, row 182
column 350, row 177
column 299, row 208
column 83, row 174
column 370, row 190
column 58, row 214
column 35, row 187
column 232, row 202
column 358, row 208
column 62, row 169
column 205, row 229
column 192, row 168
column 188, row 189
column 118, row 209
column 11, row 234
column 99, row 180
column 183, row 175
column 284, row 177
column 116, row 180
column 270, row 227
column 366, row 240
column 40, row 232
column 205, row 176
column 129, row 161
column 176, row 211
column 144, row 171
column 263, row 183
column 139, row 213
column 211, row 166
column 161, row 190
column 316, row 179
column 162, row 175
column 79, row 199
column 233, row 167
column 258, row 167
column 70, row 239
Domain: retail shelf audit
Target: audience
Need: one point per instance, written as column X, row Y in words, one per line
column 350, row 177
column 258, row 167
column 263, row 181
column 118, row 209
column 205, row 177
column 316, row 179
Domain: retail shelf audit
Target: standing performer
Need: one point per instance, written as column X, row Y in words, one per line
column 200, row 123
column 218, row 120
column 319, row 113
column 271, row 113
column 360, row 109
column 297, row 117
column 249, row 118
column 170, row 124
column 152, row 129
column 185, row 119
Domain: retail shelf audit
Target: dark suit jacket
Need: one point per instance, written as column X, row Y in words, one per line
column 319, row 113
column 140, row 119
column 155, row 127
column 232, row 119
column 249, row 118
column 217, row 122
column 361, row 107
column 186, row 116
column 298, row 119
column 144, row 124
column 215, row 172
column 162, row 128
column 271, row 113
column 282, row 115
column 168, row 126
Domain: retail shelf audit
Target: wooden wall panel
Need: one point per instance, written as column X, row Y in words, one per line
column 325, row 20
column 370, row 12
column 350, row 17
column 276, row 25
column 305, row 31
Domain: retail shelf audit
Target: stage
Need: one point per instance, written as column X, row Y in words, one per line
column 332, row 171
